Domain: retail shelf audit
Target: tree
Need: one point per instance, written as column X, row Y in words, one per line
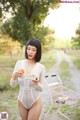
column 27, row 17
column 76, row 39
column 32, row 8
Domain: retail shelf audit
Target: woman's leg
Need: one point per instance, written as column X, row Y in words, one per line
column 35, row 110
column 22, row 111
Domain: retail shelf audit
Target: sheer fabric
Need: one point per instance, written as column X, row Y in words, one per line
column 29, row 92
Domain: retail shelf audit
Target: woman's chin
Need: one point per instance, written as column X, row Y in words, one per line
column 30, row 58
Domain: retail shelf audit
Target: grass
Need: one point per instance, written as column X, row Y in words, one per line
column 6, row 67
column 8, row 103
column 76, row 61
column 65, row 75
column 72, row 111
column 49, row 58
column 64, row 67
column 9, row 61
column 75, row 57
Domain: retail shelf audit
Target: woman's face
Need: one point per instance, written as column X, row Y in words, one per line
column 31, row 52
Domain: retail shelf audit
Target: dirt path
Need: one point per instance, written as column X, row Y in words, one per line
column 75, row 73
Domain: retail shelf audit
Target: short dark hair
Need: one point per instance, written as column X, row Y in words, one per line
column 37, row 44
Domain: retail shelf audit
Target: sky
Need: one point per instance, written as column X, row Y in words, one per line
column 64, row 20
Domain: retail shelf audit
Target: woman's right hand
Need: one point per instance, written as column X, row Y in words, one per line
column 17, row 74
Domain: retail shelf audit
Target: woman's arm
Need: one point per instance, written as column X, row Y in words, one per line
column 40, row 86
column 13, row 83
column 14, row 78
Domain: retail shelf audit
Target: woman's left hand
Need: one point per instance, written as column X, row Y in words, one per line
column 36, row 81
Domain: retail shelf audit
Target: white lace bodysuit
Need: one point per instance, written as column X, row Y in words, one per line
column 29, row 92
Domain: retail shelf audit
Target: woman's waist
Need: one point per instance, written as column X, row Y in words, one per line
column 27, row 88
column 27, row 84
column 28, row 92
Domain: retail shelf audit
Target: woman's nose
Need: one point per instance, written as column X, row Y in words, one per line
column 30, row 51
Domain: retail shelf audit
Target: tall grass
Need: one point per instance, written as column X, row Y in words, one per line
column 6, row 67
column 65, row 75
column 64, row 67
column 75, row 57
column 49, row 58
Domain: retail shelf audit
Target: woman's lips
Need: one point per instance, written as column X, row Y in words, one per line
column 30, row 56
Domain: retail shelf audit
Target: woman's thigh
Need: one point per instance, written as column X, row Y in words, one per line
column 35, row 110
column 22, row 111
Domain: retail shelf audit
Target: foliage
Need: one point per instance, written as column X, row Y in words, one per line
column 60, row 43
column 34, row 10
column 44, row 34
column 27, row 15
column 76, row 39
column 22, row 30
column 18, row 28
column 9, row 46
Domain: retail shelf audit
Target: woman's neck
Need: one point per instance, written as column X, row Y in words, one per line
column 31, row 61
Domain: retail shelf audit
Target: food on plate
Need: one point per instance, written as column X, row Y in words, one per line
column 30, row 77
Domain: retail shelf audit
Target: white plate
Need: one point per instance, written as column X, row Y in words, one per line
column 30, row 77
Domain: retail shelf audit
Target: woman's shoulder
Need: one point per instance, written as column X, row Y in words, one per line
column 41, row 65
column 20, row 61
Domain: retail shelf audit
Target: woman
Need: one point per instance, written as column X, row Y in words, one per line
column 30, row 81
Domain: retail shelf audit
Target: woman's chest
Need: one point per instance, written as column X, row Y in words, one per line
column 32, row 70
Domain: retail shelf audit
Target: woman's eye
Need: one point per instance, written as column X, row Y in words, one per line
column 31, row 49
column 34, row 50
column 28, row 48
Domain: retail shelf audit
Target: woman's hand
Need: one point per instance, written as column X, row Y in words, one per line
column 17, row 74
column 36, row 81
